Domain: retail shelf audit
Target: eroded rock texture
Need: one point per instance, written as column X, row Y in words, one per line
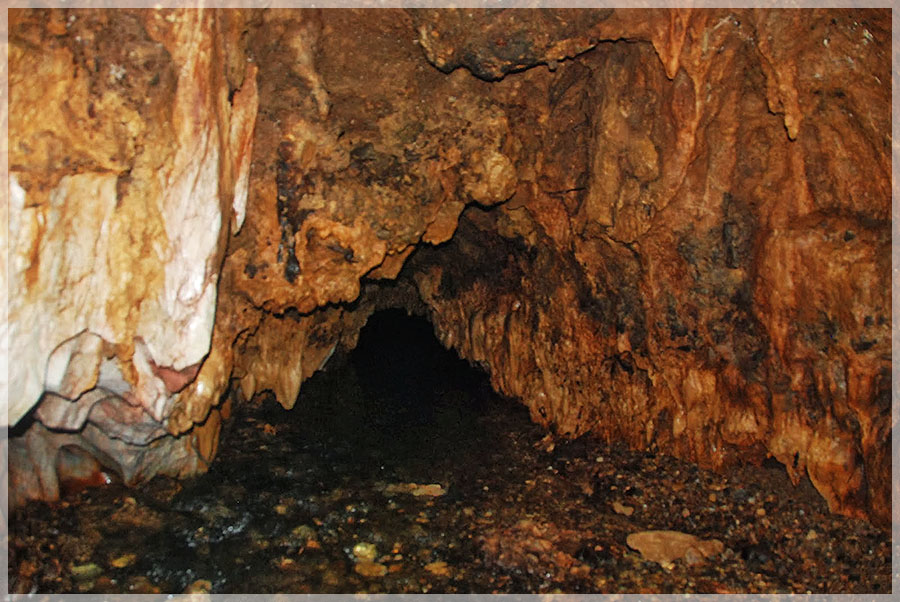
column 130, row 139
column 666, row 227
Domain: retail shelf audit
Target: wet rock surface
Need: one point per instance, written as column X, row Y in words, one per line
column 352, row 495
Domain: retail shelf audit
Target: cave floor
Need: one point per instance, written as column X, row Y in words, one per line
column 345, row 496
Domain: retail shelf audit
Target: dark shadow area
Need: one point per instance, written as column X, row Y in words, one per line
column 409, row 379
column 399, row 404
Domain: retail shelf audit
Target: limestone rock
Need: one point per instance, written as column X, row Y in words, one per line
column 679, row 241
column 127, row 166
column 665, row 547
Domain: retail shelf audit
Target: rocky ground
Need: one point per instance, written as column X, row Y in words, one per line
column 347, row 494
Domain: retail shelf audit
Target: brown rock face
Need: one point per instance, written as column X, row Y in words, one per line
column 667, row 227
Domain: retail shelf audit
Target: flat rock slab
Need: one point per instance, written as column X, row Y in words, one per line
column 432, row 490
column 665, row 547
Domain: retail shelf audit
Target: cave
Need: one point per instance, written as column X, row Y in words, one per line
column 449, row 300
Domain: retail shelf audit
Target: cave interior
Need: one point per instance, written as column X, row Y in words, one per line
column 553, row 280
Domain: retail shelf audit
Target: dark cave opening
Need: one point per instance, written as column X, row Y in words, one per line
column 408, row 378
column 399, row 405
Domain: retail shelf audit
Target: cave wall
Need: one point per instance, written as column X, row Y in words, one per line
column 130, row 141
column 675, row 224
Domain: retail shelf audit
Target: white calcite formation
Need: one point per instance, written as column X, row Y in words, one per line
column 114, row 261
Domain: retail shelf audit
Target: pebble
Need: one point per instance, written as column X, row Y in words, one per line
column 370, row 569
column 431, row 490
column 123, row 561
column 85, row 572
column 200, row 586
column 620, row 508
column 304, row 532
column 665, row 547
column 740, row 495
column 284, row 563
column 438, row 568
column 140, row 584
column 365, row 551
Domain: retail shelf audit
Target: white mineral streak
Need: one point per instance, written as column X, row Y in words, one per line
column 64, row 272
column 4, row 292
column 240, row 143
column 56, row 285
column 178, row 334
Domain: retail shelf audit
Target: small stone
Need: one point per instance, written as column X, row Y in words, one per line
column 27, row 569
column 365, row 551
column 105, row 585
column 139, row 584
column 122, row 561
column 370, row 569
column 85, row 586
column 303, row 532
column 85, row 572
column 200, row 586
column 620, row 508
column 433, row 490
column 331, row 577
column 664, row 547
column 438, row 568
column 712, row 498
column 685, row 513
column 284, row 563
column 811, row 534
column 760, row 512
column 581, row 571
column 740, row 495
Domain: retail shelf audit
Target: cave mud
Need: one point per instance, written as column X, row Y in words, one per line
column 666, row 230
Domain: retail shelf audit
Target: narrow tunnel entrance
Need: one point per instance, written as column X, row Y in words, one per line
column 400, row 406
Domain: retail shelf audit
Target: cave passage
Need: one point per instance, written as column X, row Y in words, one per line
column 399, row 403
column 409, row 380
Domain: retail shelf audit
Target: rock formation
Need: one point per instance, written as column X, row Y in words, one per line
column 668, row 227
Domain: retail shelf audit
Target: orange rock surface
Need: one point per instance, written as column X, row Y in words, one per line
column 668, row 227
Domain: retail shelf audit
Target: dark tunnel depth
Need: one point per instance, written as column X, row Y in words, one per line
column 408, row 377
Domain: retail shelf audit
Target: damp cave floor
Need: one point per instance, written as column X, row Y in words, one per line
column 333, row 497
